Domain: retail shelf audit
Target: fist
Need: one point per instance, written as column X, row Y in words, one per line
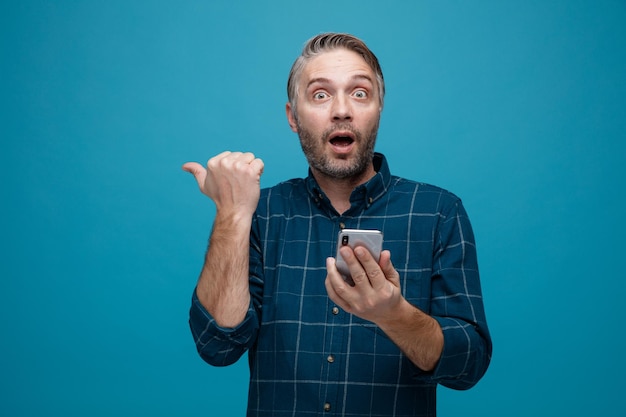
column 231, row 179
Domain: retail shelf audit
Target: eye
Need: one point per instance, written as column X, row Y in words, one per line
column 320, row 95
column 360, row 94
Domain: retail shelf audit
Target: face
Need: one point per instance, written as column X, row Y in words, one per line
column 338, row 112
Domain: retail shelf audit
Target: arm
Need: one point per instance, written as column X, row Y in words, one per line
column 451, row 341
column 457, row 301
column 223, row 283
column 232, row 181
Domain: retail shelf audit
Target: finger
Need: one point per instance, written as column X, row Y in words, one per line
column 222, row 155
column 239, row 161
column 372, row 269
column 335, row 285
column 215, row 162
column 191, row 167
column 248, row 157
column 258, row 166
column 388, row 269
column 330, row 289
column 247, row 161
column 333, row 276
column 197, row 171
column 357, row 272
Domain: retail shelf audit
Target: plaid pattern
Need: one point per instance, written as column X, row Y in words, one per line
column 307, row 357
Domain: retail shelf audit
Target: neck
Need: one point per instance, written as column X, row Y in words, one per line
column 339, row 190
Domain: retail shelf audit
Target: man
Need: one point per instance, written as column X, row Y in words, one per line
column 270, row 287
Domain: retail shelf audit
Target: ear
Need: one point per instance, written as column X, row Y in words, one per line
column 291, row 118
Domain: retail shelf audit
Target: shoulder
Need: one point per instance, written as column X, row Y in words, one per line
column 436, row 197
column 280, row 197
column 285, row 189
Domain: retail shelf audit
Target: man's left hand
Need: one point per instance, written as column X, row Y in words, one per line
column 375, row 294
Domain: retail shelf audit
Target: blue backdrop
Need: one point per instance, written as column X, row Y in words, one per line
column 517, row 107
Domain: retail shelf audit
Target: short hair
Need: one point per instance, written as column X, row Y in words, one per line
column 326, row 42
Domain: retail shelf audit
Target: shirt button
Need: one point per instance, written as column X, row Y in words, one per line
column 330, row 359
column 342, row 226
column 335, row 310
column 327, row 407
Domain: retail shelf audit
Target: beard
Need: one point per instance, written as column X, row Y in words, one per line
column 343, row 168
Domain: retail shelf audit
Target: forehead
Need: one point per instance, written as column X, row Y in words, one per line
column 337, row 64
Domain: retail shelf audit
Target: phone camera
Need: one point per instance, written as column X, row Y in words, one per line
column 344, row 240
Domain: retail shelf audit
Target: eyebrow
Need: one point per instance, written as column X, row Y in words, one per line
column 323, row 80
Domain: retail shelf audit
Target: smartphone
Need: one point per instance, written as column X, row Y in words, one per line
column 370, row 239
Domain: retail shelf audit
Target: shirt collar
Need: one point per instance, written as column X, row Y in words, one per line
column 362, row 196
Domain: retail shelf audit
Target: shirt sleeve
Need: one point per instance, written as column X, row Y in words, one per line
column 457, row 302
column 221, row 346
column 217, row 345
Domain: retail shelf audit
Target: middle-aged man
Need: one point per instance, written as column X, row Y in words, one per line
column 318, row 345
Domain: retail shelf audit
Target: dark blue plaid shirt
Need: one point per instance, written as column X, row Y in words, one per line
column 308, row 357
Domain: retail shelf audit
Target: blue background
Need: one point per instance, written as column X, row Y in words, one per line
column 517, row 107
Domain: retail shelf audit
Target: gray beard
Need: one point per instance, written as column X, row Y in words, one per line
column 311, row 146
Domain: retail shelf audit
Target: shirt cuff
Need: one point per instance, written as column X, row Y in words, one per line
column 457, row 367
column 218, row 345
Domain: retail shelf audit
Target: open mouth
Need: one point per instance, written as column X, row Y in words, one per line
column 341, row 141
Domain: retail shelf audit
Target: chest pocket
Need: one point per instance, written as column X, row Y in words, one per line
column 413, row 261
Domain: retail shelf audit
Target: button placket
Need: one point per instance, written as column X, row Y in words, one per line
column 333, row 364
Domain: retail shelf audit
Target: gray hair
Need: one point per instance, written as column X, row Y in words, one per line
column 326, row 42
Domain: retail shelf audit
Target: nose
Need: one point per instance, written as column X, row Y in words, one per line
column 341, row 109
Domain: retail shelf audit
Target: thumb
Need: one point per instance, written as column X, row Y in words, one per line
column 197, row 170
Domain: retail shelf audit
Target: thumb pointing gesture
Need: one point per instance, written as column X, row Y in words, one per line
column 230, row 179
column 199, row 173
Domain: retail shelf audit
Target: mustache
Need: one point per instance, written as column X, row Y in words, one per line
column 342, row 127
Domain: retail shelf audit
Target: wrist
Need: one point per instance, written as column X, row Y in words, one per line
column 401, row 314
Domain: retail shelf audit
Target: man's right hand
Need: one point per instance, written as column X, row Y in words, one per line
column 231, row 179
